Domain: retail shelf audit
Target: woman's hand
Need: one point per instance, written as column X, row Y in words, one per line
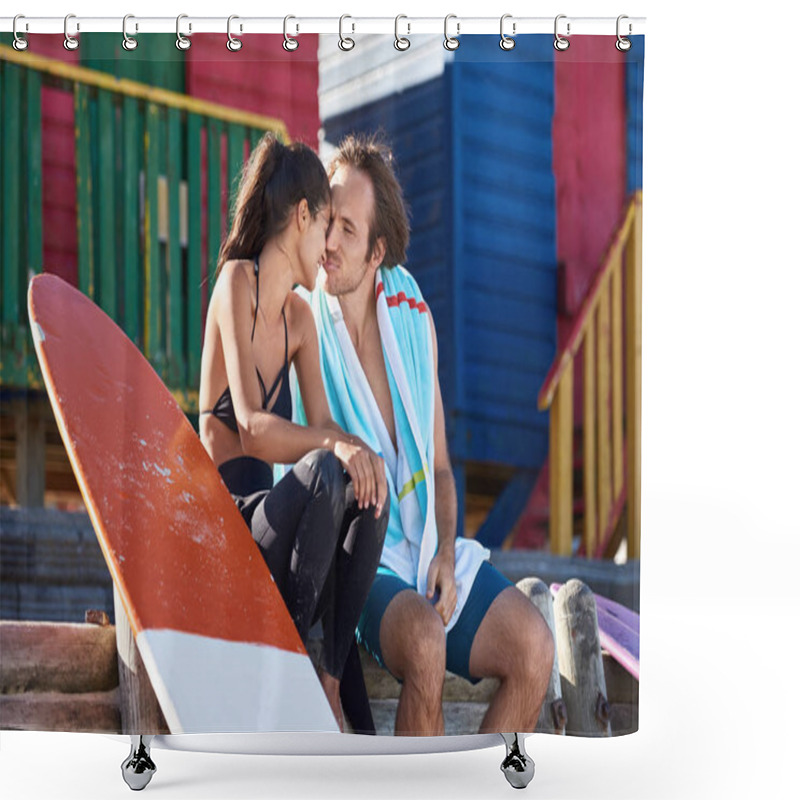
column 366, row 470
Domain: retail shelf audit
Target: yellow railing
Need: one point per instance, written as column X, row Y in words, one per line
column 608, row 332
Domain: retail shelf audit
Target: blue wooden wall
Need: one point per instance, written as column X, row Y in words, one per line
column 474, row 156
column 634, row 86
column 504, row 241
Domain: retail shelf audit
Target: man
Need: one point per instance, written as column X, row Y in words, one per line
column 436, row 602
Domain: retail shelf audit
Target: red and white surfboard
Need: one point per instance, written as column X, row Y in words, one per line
column 216, row 639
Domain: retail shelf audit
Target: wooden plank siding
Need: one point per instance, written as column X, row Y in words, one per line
column 505, row 266
column 472, row 145
column 130, row 149
column 634, row 86
column 262, row 78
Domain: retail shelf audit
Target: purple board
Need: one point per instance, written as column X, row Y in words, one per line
column 619, row 640
column 630, row 619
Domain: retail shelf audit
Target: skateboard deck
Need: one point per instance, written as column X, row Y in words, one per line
column 619, row 631
column 219, row 646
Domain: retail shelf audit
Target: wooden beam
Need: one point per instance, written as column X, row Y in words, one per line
column 561, row 428
column 633, row 402
column 57, row 657
column 176, row 307
column 194, row 250
column 617, row 397
column 95, row 712
column 552, row 717
column 84, row 191
column 604, row 488
column 590, row 439
column 580, row 661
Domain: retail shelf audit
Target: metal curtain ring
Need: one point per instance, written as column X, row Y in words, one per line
column 400, row 42
column 560, row 43
column 128, row 43
column 20, row 42
column 451, row 42
column 233, row 44
column 623, row 44
column 345, row 43
column 506, row 42
column 289, row 44
column 181, row 42
column 70, row 42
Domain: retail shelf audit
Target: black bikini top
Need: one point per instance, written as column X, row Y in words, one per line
column 223, row 408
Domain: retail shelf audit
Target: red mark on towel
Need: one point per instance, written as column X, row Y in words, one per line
column 395, row 300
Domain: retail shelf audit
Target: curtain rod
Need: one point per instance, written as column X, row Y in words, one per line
column 349, row 25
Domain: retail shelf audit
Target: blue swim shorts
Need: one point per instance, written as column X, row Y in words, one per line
column 489, row 582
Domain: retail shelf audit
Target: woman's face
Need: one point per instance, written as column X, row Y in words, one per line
column 312, row 246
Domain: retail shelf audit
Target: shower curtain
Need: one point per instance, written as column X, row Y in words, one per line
column 511, row 344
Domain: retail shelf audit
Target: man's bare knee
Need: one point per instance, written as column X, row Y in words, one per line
column 413, row 642
column 531, row 654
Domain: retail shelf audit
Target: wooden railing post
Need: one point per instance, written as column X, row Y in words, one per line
column 617, row 360
column 561, row 424
column 608, row 329
column 633, row 290
column 590, row 437
column 605, row 498
column 154, row 285
column 176, row 305
column 131, row 260
column 194, row 250
column 83, row 180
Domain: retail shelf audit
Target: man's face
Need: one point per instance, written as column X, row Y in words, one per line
column 346, row 263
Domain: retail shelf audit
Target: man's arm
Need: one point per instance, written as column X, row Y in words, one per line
column 441, row 575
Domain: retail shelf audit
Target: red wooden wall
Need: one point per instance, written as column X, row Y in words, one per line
column 60, row 217
column 589, row 161
column 262, row 78
column 589, row 164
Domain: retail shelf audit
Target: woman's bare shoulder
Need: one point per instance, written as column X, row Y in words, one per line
column 233, row 281
column 300, row 317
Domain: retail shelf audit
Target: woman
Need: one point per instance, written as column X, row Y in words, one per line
column 320, row 533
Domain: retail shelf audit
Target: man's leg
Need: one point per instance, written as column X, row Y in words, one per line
column 513, row 643
column 413, row 643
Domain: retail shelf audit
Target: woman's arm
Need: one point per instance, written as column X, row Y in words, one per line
column 372, row 475
column 265, row 435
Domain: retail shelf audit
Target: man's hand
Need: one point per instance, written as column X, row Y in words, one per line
column 442, row 581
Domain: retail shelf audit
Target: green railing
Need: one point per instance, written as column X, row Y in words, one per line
column 150, row 169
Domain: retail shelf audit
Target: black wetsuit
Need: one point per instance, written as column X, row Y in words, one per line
column 322, row 551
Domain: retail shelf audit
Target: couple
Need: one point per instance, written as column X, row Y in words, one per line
column 360, row 533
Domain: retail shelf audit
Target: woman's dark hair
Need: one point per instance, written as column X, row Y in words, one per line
column 273, row 181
